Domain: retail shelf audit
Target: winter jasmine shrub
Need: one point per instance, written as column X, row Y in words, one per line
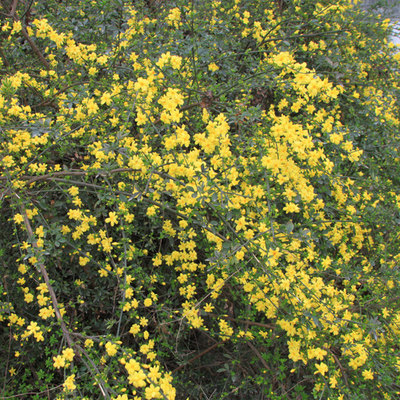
column 199, row 200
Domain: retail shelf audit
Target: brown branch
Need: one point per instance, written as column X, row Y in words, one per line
column 78, row 172
column 4, row 58
column 54, row 176
column 45, row 276
column 97, row 377
column 13, row 8
column 246, row 322
column 31, row 393
column 282, row 38
column 10, row 338
column 56, row 308
column 342, row 370
column 50, row 101
column 258, row 354
column 197, row 356
column 34, row 47
column 71, row 172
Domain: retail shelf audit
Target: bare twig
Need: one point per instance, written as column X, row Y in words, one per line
column 34, row 47
column 342, row 370
column 258, row 354
column 4, row 58
column 102, row 385
column 25, row 34
column 50, row 101
column 56, row 308
column 241, row 321
column 197, row 356
column 13, row 8
column 54, row 177
column 8, row 359
column 46, row 278
column 31, row 393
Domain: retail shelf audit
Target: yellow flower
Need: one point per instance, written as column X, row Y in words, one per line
column 174, row 17
column 107, row 244
column 46, row 313
column 208, row 307
column 322, row 369
column 137, row 379
column 385, row 312
column 17, row 26
column 28, row 297
column 226, row 331
column 121, row 397
column 92, row 71
column 135, row 328
column 367, row 374
column 103, row 273
column 8, row 161
column 59, row 361
column 111, row 349
column 240, row 224
column 75, row 214
column 68, row 354
column 147, row 302
column 65, row 229
column 83, row 261
column 92, row 107
column 151, row 211
column 112, row 218
column 18, row 218
column 239, row 255
column 152, row 392
column 69, row 383
column 73, row 190
column 106, row 99
column 213, row 67
column 291, row 207
column 176, row 62
column 319, row 354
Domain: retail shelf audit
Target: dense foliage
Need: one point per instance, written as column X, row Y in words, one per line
column 198, row 200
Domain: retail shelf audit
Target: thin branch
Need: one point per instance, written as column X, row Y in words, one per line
column 4, row 58
column 64, row 328
column 258, row 354
column 31, row 393
column 54, row 177
column 46, row 278
column 197, row 356
column 342, row 370
column 50, row 101
column 27, row 9
column 13, row 8
column 8, row 359
column 34, row 47
column 72, row 172
column 102, row 385
column 246, row 322
column 27, row 37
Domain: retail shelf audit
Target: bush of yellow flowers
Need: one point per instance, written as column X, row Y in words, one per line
column 199, row 200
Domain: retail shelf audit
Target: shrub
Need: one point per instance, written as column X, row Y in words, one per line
column 199, row 200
